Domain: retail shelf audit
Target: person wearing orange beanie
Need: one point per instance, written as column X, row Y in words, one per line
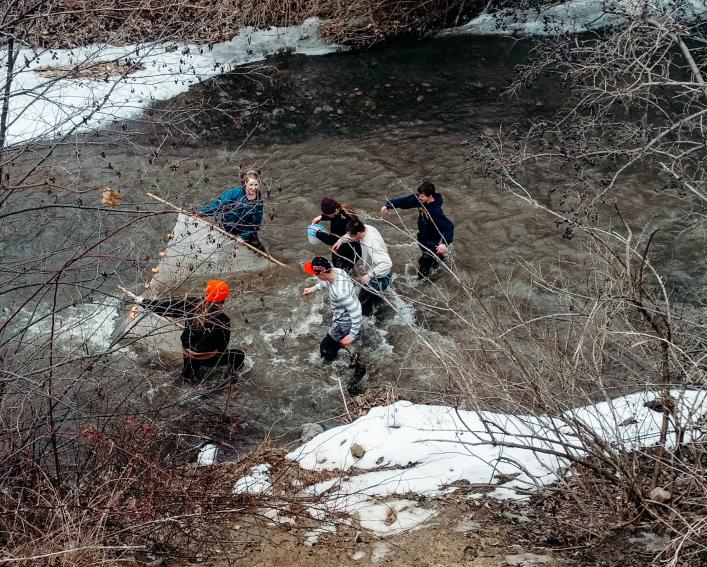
column 207, row 329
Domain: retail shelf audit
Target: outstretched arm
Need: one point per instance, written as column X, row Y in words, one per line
column 224, row 200
column 406, row 202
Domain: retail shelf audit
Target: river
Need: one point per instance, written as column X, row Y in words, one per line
column 362, row 126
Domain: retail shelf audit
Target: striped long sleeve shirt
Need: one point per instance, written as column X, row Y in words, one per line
column 343, row 298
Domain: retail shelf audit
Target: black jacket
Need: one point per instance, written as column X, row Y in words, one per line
column 204, row 331
column 338, row 228
column 432, row 224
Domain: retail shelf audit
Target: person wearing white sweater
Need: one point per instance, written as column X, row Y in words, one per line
column 376, row 261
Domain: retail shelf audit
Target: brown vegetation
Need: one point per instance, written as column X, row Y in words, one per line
column 77, row 22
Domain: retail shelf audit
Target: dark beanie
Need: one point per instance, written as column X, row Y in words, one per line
column 321, row 264
column 329, row 205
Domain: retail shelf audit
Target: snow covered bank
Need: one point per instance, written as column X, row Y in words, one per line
column 410, row 449
column 578, row 16
column 42, row 106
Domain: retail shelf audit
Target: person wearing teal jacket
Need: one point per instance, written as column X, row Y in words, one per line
column 239, row 210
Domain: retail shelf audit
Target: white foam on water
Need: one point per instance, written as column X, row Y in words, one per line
column 86, row 328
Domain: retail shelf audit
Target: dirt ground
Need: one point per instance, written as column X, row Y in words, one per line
column 467, row 530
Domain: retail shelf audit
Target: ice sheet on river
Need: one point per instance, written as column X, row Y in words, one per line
column 196, row 253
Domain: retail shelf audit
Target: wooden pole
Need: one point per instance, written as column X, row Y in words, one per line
column 222, row 231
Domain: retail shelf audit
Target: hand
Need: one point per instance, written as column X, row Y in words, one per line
column 336, row 246
column 307, row 291
column 346, row 341
column 315, row 220
column 133, row 313
column 384, row 209
column 441, row 249
column 365, row 279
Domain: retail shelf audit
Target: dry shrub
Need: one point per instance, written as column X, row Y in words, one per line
column 76, row 22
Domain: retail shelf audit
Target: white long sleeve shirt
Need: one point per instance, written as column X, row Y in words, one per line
column 343, row 297
column 376, row 260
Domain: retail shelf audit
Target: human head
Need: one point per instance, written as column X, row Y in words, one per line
column 319, row 267
column 426, row 192
column 329, row 206
column 217, row 291
column 251, row 183
column 356, row 229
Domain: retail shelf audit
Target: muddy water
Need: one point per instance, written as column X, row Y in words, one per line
column 361, row 126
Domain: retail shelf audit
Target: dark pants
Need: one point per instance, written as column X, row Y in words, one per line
column 370, row 296
column 429, row 259
column 329, row 348
column 232, row 357
column 254, row 241
column 345, row 258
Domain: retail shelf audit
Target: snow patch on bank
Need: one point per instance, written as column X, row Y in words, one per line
column 578, row 16
column 44, row 107
column 404, row 448
column 257, row 482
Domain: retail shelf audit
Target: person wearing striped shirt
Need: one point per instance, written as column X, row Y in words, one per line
column 346, row 323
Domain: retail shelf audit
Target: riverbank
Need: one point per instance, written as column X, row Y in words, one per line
column 72, row 23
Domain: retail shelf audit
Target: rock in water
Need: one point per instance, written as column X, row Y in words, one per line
column 310, row 431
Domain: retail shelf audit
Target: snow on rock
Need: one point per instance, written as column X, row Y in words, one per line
column 419, row 449
column 577, row 16
column 257, row 482
column 42, row 106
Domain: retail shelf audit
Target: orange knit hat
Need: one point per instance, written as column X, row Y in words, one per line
column 217, row 291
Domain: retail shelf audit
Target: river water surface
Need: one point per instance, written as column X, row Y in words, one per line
column 361, row 126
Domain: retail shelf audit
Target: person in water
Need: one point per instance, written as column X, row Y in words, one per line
column 239, row 210
column 207, row 329
column 339, row 216
column 376, row 261
column 435, row 231
column 346, row 321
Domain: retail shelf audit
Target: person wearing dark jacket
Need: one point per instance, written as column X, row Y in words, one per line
column 239, row 210
column 435, row 231
column 207, row 329
column 339, row 216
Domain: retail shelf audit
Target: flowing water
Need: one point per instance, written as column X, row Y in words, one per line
column 361, row 126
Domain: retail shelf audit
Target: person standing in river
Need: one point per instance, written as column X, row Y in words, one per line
column 346, row 323
column 207, row 329
column 239, row 210
column 435, row 231
column 376, row 261
column 339, row 216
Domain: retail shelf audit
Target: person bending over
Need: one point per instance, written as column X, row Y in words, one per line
column 376, row 261
column 339, row 216
column 346, row 321
column 207, row 329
